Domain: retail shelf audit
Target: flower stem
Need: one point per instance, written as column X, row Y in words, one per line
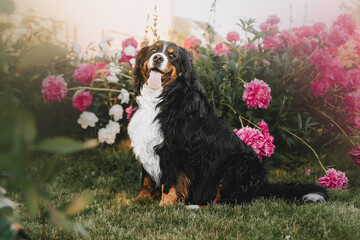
column 335, row 124
column 125, row 75
column 95, row 89
column 300, row 139
column 241, row 117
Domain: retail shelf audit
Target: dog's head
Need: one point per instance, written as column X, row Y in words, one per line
column 160, row 65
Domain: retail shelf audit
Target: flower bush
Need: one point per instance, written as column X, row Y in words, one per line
column 309, row 93
column 101, row 87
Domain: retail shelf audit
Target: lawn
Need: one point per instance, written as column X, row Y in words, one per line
column 113, row 178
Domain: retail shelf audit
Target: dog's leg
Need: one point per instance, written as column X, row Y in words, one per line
column 148, row 187
column 168, row 198
column 179, row 191
column 218, row 195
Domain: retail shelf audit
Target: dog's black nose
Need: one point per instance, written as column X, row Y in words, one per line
column 158, row 59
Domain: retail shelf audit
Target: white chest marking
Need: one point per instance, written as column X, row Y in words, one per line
column 144, row 131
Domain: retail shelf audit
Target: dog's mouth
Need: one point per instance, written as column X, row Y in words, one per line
column 156, row 77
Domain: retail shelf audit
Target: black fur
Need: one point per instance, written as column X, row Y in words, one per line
column 199, row 143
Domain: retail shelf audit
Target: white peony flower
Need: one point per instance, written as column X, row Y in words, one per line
column 130, row 51
column 87, row 119
column 104, row 48
column 108, row 134
column 112, row 78
column 114, row 68
column 124, row 96
column 132, row 61
column 114, row 126
column 117, row 112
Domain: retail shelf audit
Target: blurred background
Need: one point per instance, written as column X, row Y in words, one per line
column 87, row 21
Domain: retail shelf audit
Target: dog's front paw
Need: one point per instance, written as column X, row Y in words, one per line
column 169, row 199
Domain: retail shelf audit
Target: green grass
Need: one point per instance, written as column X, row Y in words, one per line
column 114, row 180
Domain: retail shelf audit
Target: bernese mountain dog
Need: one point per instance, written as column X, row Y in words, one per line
column 187, row 151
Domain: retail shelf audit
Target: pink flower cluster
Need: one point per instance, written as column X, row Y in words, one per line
column 128, row 53
column 260, row 142
column 302, row 40
column 54, row 89
column 334, row 179
column 82, row 100
column 257, row 94
column 221, row 49
column 339, row 71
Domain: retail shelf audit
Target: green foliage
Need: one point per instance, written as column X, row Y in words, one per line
column 291, row 107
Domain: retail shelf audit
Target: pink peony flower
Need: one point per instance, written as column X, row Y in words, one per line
column 270, row 24
column 102, row 66
column 232, row 36
column 352, row 102
column 129, row 41
column 334, row 179
column 355, row 155
column 257, row 94
column 338, row 74
column 191, row 43
column 308, row 171
column 320, row 29
column 221, row 49
column 345, row 21
column 320, row 87
column 128, row 45
column 260, row 142
column 272, row 41
column 321, row 59
column 82, row 100
column 54, row 89
column 84, row 73
column 337, row 37
column 128, row 112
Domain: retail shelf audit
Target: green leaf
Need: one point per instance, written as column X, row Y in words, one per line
column 38, row 55
column 61, row 145
column 299, row 121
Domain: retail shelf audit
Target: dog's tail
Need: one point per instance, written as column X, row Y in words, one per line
column 297, row 191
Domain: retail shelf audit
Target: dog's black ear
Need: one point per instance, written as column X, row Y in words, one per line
column 139, row 79
column 187, row 70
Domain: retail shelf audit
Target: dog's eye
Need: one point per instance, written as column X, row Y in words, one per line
column 171, row 55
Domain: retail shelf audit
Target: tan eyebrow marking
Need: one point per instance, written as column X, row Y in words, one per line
column 170, row 50
column 158, row 44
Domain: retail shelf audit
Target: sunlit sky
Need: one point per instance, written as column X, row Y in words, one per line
column 293, row 13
